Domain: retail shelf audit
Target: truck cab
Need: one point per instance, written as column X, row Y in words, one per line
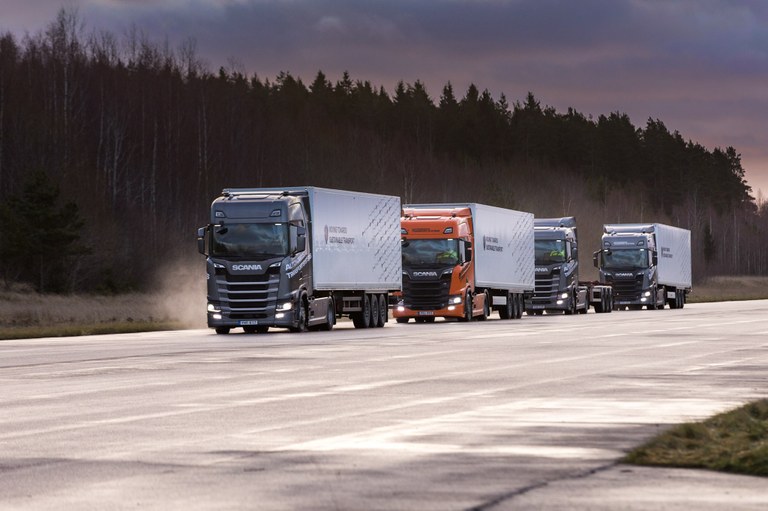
column 257, row 261
column 557, row 267
column 438, row 272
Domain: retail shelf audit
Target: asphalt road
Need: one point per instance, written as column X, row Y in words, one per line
column 528, row 414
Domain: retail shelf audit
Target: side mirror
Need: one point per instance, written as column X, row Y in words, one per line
column 595, row 259
column 201, row 240
column 301, row 239
column 654, row 258
column 468, row 251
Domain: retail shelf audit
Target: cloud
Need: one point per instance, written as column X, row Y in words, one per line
column 699, row 65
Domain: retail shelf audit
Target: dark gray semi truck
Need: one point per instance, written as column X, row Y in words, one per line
column 558, row 288
column 300, row 257
column 647, row 265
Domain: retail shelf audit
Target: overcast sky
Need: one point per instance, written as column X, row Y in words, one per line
column 700, row 66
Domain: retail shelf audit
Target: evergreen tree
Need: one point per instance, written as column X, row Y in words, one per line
column 40, row 237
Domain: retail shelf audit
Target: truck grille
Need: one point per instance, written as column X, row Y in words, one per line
column 248, row 296
column 628, row 288
column 426, row 294
column 546, row 288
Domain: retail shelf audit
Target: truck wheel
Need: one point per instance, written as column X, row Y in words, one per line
column 486, row 307
column 508, row 311
column 301, row 318
column 222, row 330
column 330, row 317
column 682, row 299
column 572, row 306
column 374, row 321
column 402, row 320
column 654, row 300
column 363, row 318
column 467, row 307
column 383, row 310
column 520, row 306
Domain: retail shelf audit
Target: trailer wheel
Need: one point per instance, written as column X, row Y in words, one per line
column 374, row 321
column 222, row 330
column 383, row 310
column 362, row 319
column 508, row 311
column 520, row 306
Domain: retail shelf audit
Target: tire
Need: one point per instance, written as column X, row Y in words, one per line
column 520, row 306
column 374, row 321
column 486, row 307
column 222, row 330
column 572, row 309
column 383, row 310
column 509, row 310
column 363, row 318
column 654, row 300
column 330, row 317
column 402, row 320
column 682, row 299
column 301, row 319
column 467, row 307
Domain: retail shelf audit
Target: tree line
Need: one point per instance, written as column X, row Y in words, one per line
column 128, row 141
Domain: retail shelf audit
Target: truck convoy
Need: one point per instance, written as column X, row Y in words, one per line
column 646, row 264
column 558, row 288
column 463, row 260
column 300, row 257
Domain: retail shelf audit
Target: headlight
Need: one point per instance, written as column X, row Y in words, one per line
column 564, row 296
column 220, row 266
column 213, row 308
column 285, row 306
column 454, row 300
column 647, row 293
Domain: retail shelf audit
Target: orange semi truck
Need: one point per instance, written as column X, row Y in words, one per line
column 463, row 261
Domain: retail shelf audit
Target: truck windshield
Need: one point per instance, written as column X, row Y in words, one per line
column 625, row 259
column 430, row 252
column 550, row 251
column 250, row 240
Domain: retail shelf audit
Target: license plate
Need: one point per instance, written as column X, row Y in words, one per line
column 537, row 306
column 248, row 322
column 426, row 313
column 623, row 302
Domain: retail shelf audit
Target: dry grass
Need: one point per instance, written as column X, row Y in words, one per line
column 727, row 288
column 179, row 303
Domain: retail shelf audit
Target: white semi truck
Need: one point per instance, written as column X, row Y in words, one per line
column 299, row 257
column 648, row 265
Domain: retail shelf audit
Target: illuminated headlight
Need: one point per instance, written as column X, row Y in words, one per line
column 643, row 299
column 280, row 315
column 220, row 266
column 451, row 307
column 564, row 296
column 559, row 302
column 213, row 308
column 647, row 293
column 454, row 300
column 285, row 306
column 216, row 316
column 400, row 308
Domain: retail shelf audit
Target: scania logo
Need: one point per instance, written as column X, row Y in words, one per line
column 246, row 267
column 625, row 274
column 542, row 270
column 424, row 274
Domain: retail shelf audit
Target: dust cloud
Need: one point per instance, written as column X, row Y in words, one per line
column 182, row 295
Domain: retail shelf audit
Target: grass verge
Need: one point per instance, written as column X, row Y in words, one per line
column 734, row 441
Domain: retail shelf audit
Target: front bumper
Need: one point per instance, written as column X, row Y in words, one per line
column 451, row 311
column 281, row 319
